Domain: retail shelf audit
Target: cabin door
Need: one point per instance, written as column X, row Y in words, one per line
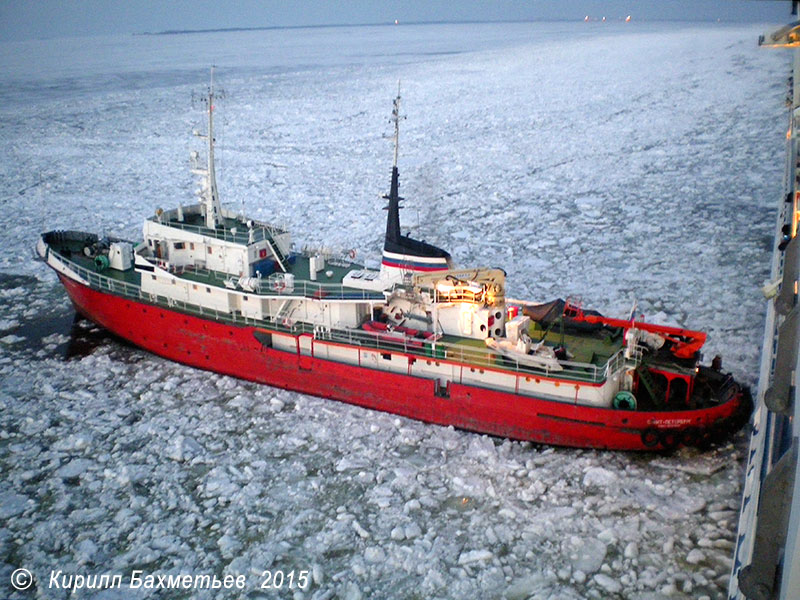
column 305, row 351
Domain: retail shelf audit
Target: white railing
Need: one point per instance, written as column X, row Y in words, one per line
column 471, row 355
column 261, row 231
column 276, row 285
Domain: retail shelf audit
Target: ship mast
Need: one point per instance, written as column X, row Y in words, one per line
column 403, row 254
column 396, row 121
column 208, row 191
column 393, row 220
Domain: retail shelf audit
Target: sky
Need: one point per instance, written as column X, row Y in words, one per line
column 32, row 19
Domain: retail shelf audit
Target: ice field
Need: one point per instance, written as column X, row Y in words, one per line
column 607, row 162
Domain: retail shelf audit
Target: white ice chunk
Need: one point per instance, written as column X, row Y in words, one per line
column 74, row 468
column 229, row 546
column 374, row 554
column 360, row 530
column 612, row 586
column 473, row 556
column 695, row 556
column 412, row 530
column 587, row 554
column 631, row 550
column 599, row 477
column 12, row 504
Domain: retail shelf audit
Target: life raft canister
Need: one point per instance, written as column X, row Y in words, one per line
column 624, row 401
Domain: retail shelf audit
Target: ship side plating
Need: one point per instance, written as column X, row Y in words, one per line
column 766, row 560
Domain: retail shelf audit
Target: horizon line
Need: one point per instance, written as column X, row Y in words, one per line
column 432, row 22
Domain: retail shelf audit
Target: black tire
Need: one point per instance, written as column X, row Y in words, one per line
column 670, row 439
column 720, row 431
column 704, row 441
column 650, row 437
column 691, row 436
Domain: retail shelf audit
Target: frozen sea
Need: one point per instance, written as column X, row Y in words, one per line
column 607, row 162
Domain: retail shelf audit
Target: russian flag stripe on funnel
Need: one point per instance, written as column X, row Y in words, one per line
column 414, row 263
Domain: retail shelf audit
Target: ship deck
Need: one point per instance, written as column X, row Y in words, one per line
column 230, row 229
column 587, row 349
column 72, row 250
column 328, row 284
column 590, row 353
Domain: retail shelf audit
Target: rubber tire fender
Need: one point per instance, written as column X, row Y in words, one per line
column 720, row 431
column 670, row 439
column 691, row 436
column 650, row 437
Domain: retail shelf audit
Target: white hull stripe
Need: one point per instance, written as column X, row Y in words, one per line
column 432, row 260
column 413, row 263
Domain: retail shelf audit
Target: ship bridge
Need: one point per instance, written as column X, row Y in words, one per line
column 244, row 248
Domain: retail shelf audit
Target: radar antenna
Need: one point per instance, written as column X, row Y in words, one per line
column 396, row 117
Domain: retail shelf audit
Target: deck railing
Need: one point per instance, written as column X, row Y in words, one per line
column 434, row 350
column 472, row 355
column 278, row 286
column 261, row 231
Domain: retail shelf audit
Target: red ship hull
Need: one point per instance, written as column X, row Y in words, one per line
column 234, row 350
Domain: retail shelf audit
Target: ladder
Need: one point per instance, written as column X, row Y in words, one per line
column 276, row 253
column 650, row 384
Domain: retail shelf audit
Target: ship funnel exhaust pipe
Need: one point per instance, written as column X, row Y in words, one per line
column 402, row 254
